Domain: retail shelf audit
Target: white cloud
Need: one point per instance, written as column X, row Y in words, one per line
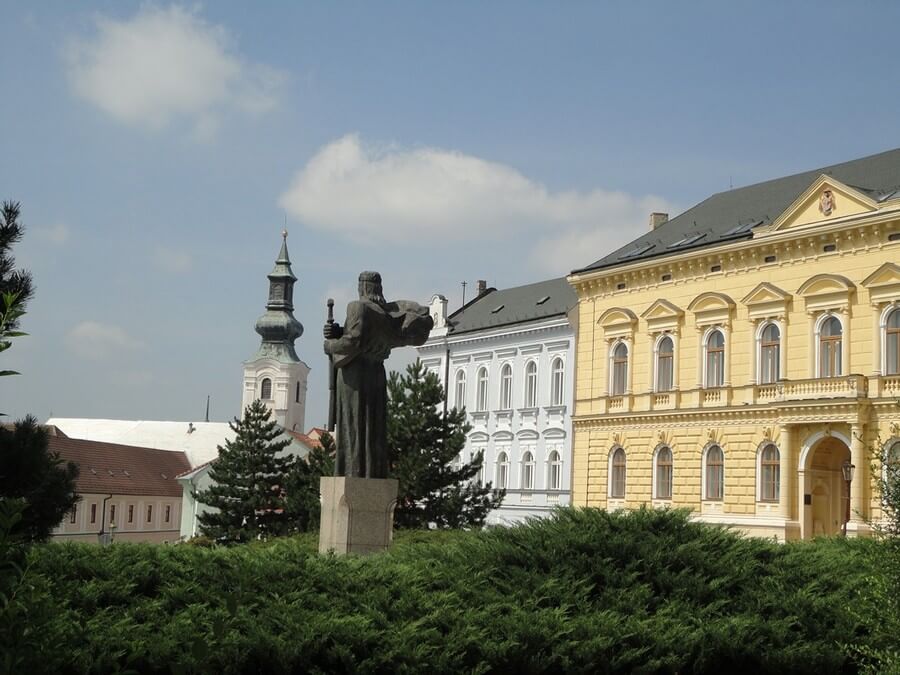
column 172, row 260
column 389, row 195
column 166, row 64
column 95, row 340
column 55, row 234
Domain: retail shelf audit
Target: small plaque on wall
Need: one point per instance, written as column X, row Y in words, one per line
column 807, row 500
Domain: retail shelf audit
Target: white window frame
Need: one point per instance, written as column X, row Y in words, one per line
column 820, row 321
column 609, row 487
column 656, row 344
column 482, row 389
column 262, row 384
column 612, row 373
column 527, row 463
column 705, row 475
column 760, row 329
column 705, row 365
column 558, row 465
column 883, row 328
column 502, row 470
column 759, row 473
column 459, row 388
column 557, row 381
column 506, row 386
column 531, row 385
column 655, row 479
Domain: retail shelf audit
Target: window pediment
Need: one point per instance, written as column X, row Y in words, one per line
column 767, row 301
column 825, row 199
column 826, row 291
column 712, row 308
column 662, row 315
column 617, row 322
column 884, row 283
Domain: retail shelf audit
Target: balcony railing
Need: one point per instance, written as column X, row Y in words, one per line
column 847, row 386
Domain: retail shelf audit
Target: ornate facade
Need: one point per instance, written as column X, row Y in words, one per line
column 734, row 358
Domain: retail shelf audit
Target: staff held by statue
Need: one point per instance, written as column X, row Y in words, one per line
column 332, row 372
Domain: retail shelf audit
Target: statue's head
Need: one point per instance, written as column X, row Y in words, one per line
column 370, row 287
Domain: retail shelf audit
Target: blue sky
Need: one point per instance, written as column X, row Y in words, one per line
column 157, row 150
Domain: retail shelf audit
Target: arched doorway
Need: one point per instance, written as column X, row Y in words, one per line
column 824, row 490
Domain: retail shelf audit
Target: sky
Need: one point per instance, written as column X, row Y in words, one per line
column 158, row 150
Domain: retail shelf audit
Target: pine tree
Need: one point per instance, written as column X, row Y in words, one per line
column 248, row 482
column 436, row 488
column 302, row 501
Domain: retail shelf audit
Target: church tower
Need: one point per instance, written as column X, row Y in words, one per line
column 275, row 374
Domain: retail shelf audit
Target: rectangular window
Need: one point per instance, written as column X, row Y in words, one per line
column 74, row 514
column 770, row 482
column 770, row 363
column 168, row 512
column 663, row 480
column 620, row 373
column 112, row 514
column 149, row 513
column 715, row 480
column 831, row 358
column 715, row 368
column 93, row 513
column 131, row 513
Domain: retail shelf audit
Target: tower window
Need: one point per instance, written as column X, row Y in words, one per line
column 265, row 389
column 297, row 394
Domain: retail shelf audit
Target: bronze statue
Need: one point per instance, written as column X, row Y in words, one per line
column 357, row 352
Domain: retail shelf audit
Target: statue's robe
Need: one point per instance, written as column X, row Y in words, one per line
column 369, row 333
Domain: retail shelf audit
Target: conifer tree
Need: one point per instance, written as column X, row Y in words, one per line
column 248, row 481
column 437, row 488
column 302, row 501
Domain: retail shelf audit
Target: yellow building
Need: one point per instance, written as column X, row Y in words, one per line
column 732, row 359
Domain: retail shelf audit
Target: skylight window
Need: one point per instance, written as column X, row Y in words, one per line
column 636, row 251
column 740, row 229
column 687, row 240
column 543, row 300
column 497, row 309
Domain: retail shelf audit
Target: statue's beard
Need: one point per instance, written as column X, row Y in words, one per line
column 372, row 294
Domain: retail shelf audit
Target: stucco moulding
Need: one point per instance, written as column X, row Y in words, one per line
column 883, row 284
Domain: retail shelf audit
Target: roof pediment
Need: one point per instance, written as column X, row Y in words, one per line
column 884, row 283
column 764, row 293
column 662, row 309
column 822, row 284
column 825, row 199
column 710, row 301
column 616, row 316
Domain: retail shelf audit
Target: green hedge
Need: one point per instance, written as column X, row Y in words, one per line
column 584, row 591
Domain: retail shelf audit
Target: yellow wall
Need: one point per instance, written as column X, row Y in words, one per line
column 742, row 421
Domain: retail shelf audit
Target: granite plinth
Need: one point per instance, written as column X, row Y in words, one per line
column 357, row 514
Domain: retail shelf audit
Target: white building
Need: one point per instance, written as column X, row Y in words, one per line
column 507, row 357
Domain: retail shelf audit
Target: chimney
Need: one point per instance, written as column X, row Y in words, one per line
column 657, row 219
column 480, row 287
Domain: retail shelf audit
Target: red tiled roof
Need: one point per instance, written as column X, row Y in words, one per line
column 303, row 438
column 122, row 469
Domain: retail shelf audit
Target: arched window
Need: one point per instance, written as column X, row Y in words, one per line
column 830, row 336
column 557, row 379
column 531, row 385
column 769, row 473
column 265, row 389
column 502, row 471
column 892, row 343
column 527, row 471
column 506, row 387
column 770, row 354
column 664, row 473
column 554, row 471
column 715, row 474
column 617, row 474
column 481, row 402
column 665, row 361
column 715, row 359
column 460, row 389
column 619, row 380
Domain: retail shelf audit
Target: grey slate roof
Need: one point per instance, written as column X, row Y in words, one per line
column 731, row 215
column 542, row 300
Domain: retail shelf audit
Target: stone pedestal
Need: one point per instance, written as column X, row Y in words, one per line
column 357, row 514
